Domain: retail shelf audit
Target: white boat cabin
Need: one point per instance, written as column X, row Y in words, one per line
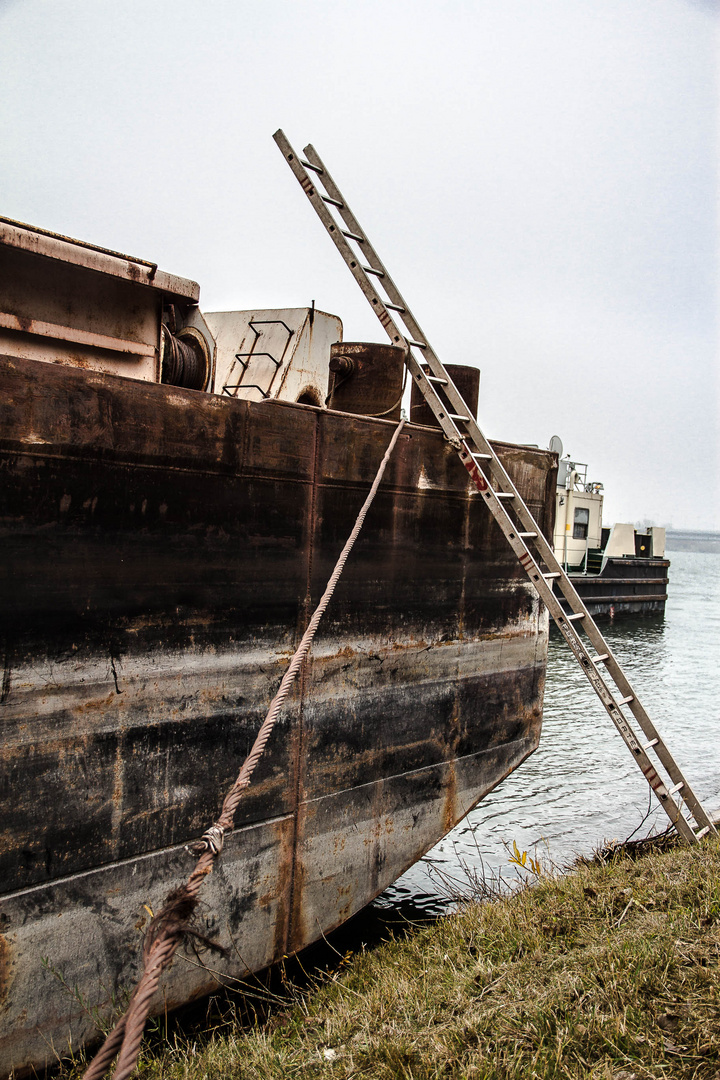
column 581, row 543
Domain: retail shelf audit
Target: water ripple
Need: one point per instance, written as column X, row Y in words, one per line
column 582, row 787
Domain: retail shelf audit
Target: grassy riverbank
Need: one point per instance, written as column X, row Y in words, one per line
column 608, row 971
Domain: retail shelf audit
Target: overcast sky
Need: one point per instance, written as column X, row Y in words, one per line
column 539, row 176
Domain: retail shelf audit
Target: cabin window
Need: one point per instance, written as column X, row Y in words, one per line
column 581, row 524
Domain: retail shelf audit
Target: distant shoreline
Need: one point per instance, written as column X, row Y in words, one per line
column 690, row 540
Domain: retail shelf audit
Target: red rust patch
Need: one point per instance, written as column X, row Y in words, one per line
column 5, row 968
column 449, row 809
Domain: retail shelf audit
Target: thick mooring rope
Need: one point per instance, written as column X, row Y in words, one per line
column 168, row 927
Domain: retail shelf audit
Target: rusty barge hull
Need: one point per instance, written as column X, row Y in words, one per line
column 163, row 552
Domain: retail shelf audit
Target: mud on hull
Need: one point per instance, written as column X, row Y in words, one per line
column 163, row 551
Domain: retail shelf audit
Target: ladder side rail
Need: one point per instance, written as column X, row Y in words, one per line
column 634, row 705
column 544, row 590
column 366, row 246
column 413, row 327
column 310, row 188
column 371, row 294
column 590, row 628
column 659, row 749
column 376, row 301
column 548, row 557
column 344, row 210
column 612, row 666
column 614, row 669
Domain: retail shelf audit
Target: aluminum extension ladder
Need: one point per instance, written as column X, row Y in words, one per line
column 534, row 553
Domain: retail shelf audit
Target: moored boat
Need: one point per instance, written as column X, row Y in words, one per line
column 620, row 570
column 176, row 488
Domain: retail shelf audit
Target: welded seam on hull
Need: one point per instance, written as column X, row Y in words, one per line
column 252, row 661
column 420, row 853
column 123, row 463
column 443, row 763
column 299, row 755
column 265, row 822
column 131, row 861
column 235, row 473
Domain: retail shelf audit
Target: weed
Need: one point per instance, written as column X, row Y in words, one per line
column 608, row 972
column 525, row 861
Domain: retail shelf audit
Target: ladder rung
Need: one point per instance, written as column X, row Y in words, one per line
column 599, row 659
column 676, row 787
column 523, row 536
column 555, row 573
column 504, row 494
column 417, row 344
column 459, row 419
column 372, row 270
column 577, row 615
column 488, row 457
column 702, row 832
column 352, row 236
column 333, row 202
column 437, row 379
column 396, row 307
column 653, row 742
column 309, row 165
column 626, row 700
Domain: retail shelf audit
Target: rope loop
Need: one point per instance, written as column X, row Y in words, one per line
column 211, row 840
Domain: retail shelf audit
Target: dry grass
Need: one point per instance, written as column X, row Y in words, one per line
column 608, row 971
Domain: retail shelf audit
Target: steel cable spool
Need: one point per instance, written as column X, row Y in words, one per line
column 184, row 359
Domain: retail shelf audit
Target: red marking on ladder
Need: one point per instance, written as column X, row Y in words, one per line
column 477, row 477
column 307, row 185
column 526, row 561
column 652, row 777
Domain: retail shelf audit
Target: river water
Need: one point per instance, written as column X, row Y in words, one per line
column 582, row 786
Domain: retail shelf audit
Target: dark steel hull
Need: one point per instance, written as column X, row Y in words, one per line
column 163, row 551
column 627, row 586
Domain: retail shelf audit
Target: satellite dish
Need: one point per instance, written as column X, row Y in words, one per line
column 556, row 446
